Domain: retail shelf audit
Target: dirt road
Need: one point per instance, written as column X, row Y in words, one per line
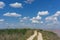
column 38, row 34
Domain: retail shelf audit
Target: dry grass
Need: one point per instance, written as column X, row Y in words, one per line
column 23, row 34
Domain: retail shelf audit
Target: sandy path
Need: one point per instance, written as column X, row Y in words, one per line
column 32, row 37
column 39, row 37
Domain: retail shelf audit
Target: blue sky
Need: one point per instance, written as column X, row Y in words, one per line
column 30, row 14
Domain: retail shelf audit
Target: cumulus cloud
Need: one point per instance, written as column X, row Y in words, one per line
column 21, row 20
column 36, row 19
column 2, row 4
column 25, row 18
column 1, row 20
column 16, row 5
column 12, row 14
column 29, row 1
column 51, row 18
column 57, row 13
column 43, row 13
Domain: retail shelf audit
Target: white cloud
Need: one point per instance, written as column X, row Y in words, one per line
column 43, row 13
column 51, row 18
column 25, row 18
column 2, row 4
column 36, row 19
column 12, row 14
column 1, row 20
column 29, row 1
column 16, row 5
column 57, row 13
column 54, row 19
column 21, row 20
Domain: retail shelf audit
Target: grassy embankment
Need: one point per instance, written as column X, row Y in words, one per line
column 23, row 34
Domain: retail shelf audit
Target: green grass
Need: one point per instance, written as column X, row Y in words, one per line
column 23, row 34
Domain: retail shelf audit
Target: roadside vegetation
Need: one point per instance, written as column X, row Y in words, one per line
column 23, row 34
